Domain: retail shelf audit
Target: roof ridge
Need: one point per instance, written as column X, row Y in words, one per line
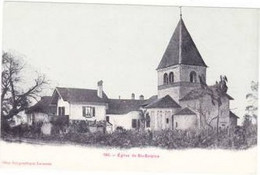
column 127, row 99
column 76, row 88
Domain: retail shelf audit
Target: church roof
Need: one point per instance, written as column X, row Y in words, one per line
column 165, row 102
column 185, row 111
column 231, row 114
column 150, row 100
column 200, row 92
column 181, row 49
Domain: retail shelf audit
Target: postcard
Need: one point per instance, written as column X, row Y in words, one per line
column 109, row 87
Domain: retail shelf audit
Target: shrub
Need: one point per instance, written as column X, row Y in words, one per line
column 237, row 138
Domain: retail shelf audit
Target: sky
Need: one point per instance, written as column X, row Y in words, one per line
column 76, row 45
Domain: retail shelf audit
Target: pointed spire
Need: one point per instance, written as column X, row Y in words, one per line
column 181, row 49
column 180, row 37
column 180, row 12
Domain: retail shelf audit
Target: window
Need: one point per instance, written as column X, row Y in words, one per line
column 147, row 118
column 171, row 77
column 167, row 120
column 134, row 123
column 61, row 111
column 138, row 123
column 193, row 78
column 88, row 111
column 165, row 78
column 107, row 118
column 203, row 78
column 176, row 124
column 29, row 119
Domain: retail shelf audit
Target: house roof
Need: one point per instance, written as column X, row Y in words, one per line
column 181, row 49
column 200, row 92
column 231, row 114
column 150, row 100
column 43, row 106
column 76, row 95
column 123, row 106
column 185, row 111
column 165, row 102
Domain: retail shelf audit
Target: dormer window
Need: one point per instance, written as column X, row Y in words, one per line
column 165, row 78
column 193, row 77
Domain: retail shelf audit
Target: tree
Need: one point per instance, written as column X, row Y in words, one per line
column 142, row 114
column 16, row 97
column 221, row 90
column 252, row 100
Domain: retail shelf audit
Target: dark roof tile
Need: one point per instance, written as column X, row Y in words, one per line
column 181, row 49
column 201, row 92
column 185, row 111
column 43, row 106
column 165, row 102
column 123, row 106
column 76, row 95
column 231, row 114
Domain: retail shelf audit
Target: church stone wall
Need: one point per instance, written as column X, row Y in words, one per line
column 185, row 71
column 174, row 92
column 174, row 69
column 209, row 111
column 185, row 122
column 181, row 85
column 159, row 118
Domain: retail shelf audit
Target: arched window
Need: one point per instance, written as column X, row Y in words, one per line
column 147, row 119
column 193, row 77
column 171, row 77
column 165, row 78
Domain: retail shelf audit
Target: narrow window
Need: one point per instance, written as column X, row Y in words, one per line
column 193, row 78
column 84, row 111
column 93, row 112
column 176, row 124
column 167, row 120
column 107, row 118
column 61, row 111
column 147, row 118
column 171, row 77
column 134, row 123
column 165, row 78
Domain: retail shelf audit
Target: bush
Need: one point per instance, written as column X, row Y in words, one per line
column 237, row 138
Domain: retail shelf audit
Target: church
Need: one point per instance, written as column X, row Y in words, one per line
column 184, row 101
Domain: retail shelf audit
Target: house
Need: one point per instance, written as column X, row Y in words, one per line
column 41, row 111
column 124, row 112
column 183, row 101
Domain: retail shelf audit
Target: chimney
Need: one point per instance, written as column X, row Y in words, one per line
column 133, row 96
column 141, row 97
column 100, row 89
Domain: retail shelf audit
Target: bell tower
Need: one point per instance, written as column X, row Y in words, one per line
column 181, row 65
